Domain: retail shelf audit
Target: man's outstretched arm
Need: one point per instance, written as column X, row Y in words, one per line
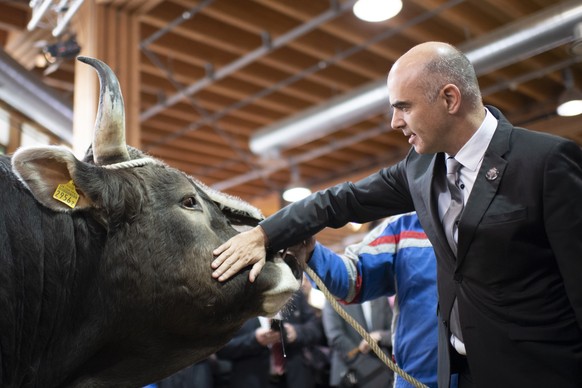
column 244, row 249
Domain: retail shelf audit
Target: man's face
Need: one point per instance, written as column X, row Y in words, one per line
column 422, row 121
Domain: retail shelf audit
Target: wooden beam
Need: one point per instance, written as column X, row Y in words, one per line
column 111, row 35
column 13, row 18
column 14, row 134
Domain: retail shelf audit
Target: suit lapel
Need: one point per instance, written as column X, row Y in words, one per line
column 486, row 184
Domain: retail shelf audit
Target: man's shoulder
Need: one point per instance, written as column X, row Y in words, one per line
column 530, row 141
column 521, row 135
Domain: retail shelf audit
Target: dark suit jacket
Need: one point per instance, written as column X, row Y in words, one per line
column 518, row 274
column 251, row 361
column 343, row 338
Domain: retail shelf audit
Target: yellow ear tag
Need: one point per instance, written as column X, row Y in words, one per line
column 67, row 194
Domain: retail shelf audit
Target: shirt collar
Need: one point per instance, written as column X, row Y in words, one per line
column 471, row 154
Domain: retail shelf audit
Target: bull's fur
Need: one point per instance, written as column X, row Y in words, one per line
column 117, row 291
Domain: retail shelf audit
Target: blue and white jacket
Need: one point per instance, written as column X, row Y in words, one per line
column 395, row 258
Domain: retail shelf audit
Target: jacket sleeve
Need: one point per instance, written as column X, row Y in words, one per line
column 364, row 272
column 337, row 275
column 379, row 195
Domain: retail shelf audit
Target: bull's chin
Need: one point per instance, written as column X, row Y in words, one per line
column 276, row 298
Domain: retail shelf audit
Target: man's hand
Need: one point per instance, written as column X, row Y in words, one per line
column 267, row 337
column 291, row 332
column 364, row 346
column 247, row 248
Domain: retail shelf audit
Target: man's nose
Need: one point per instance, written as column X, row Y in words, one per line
column 396, row 122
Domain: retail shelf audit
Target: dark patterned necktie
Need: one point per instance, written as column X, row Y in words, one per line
column 450, row 225
column 453, row 213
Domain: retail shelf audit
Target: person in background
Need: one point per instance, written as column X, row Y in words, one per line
column 317, row 355
column 394, row 258
column 260, row 359
column 352, row 360
column 501, row 206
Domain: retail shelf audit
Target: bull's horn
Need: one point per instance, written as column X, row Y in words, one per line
column 109, row 138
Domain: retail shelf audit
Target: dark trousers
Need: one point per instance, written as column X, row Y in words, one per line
column 465, row 379
column 278, row 381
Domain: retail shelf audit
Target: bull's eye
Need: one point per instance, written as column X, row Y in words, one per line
column 190, row 202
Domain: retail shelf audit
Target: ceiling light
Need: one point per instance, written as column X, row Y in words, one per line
column 296, row 191
column 294, row 194
column 570, row 101
column 377, row 10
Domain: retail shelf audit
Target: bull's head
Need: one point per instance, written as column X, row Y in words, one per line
column 152, row 230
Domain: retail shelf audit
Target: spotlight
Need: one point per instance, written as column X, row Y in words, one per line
column 294, row 194
column 570, row 101
column 377, row 10
column 295, row 191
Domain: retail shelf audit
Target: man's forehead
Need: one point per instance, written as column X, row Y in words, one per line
column 404, row 69
column 398, row 85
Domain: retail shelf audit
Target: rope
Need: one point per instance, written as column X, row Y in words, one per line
column 336, row 306
column 130, row 164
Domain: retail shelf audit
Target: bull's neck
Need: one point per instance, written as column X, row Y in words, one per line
column 60, row 306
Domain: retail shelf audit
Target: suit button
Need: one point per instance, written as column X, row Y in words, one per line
column 458, row 277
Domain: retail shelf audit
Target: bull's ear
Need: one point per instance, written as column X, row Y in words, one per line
column 48, row 173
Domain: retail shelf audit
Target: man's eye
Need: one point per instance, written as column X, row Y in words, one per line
column 189, row 203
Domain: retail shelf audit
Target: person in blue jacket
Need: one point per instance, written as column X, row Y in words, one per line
column 395, row 258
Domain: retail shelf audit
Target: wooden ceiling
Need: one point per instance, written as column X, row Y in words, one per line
column 213, row 73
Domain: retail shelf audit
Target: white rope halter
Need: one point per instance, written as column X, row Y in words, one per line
column 131, row 163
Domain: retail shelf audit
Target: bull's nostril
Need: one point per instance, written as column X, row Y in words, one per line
column 271, row 257
column 292, row 262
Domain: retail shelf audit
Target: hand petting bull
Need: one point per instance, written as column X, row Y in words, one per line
column 105, row 277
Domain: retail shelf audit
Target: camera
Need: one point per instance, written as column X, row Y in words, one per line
column 276, row 324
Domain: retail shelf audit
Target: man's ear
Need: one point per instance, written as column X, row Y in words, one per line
column 452, row 97
column 48, row 173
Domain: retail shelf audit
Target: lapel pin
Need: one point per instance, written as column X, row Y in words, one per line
column 492, row 174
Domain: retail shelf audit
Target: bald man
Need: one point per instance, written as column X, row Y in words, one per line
column 509, row 260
